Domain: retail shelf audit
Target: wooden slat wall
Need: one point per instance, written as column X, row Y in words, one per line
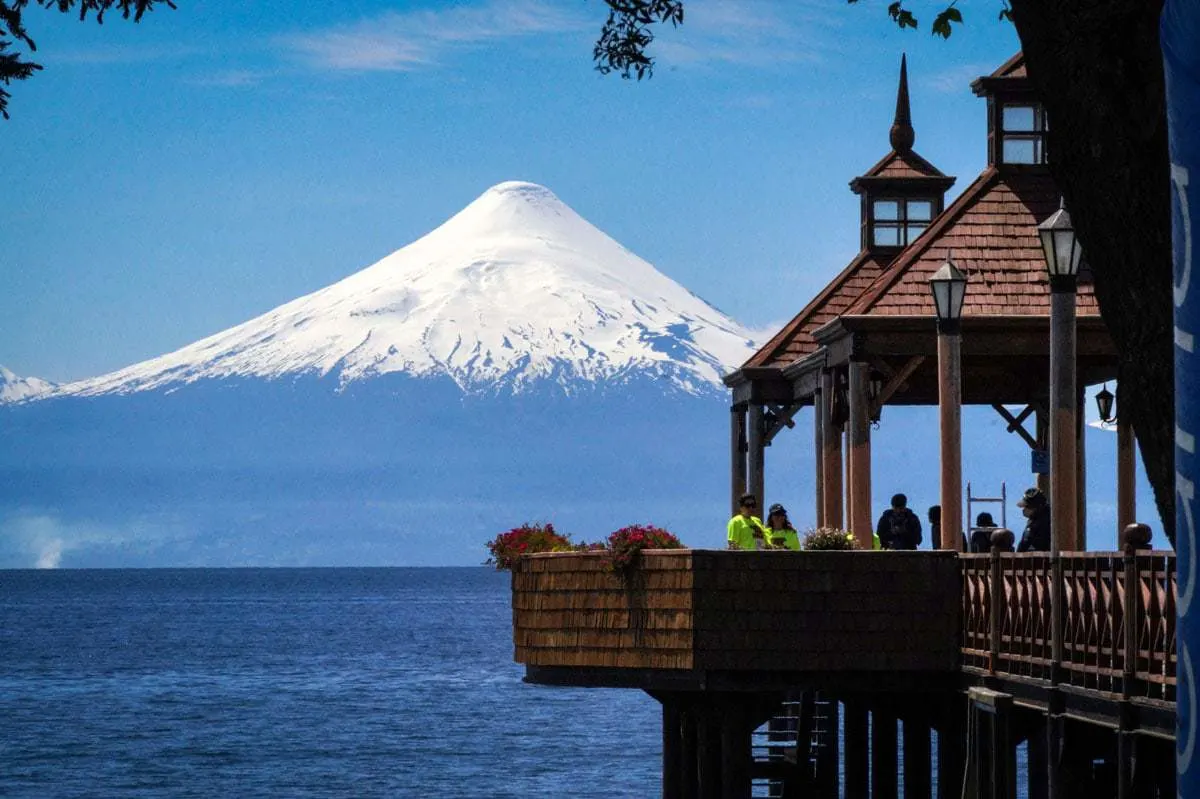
column 568, row 610
column 827, row 611
column 718, row 610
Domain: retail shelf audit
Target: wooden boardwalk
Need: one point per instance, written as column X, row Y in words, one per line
column 895, row 649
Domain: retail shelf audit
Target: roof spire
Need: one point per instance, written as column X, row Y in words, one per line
column 902, row 135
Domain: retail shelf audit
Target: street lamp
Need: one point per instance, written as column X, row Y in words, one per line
column 949, row 288
column 1063, row 255
column 874, row 390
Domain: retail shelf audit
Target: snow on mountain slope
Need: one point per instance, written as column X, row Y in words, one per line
column 513, row 290
column 16, row 389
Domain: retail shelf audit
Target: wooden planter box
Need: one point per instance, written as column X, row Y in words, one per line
column 740, row 611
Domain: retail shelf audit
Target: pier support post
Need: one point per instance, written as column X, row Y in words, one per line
column 884, row 776
column 708, row 752
column 917, row 755
column 857, row 747
column 1035, row 774
column 673, row 765
column 951, row 749
column 828, row 758
column 689, row 778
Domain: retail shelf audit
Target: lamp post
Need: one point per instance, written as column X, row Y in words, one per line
column 949, row 288
column 1063, row 254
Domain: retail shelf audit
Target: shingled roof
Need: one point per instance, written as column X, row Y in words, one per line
column 795, row 340
column 990, row 232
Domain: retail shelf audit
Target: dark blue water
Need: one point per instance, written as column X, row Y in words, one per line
column 295, row 683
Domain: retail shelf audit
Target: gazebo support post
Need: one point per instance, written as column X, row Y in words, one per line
column 950, row 418
column 832, row 440
column 1081, row 473
column 1063, row 398
column 819, row 457
column 756, row 456
column 1042, row 427
column 737, row 454
column 1126, row 485
column 860, row 455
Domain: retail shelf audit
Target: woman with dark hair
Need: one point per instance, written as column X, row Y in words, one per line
column 780, row 531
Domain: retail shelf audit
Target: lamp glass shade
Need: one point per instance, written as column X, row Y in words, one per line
column 949, row 287
column 1104, row 403
column 1059, row 245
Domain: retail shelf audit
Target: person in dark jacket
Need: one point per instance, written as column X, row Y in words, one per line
column 934, row 514
column 899, row 527
column 1036, row 509
column 981, row 533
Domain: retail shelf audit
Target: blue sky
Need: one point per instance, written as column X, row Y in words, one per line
column 169, row 179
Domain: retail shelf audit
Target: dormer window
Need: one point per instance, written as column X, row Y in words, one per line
column 896, row 222
column 1023, row 133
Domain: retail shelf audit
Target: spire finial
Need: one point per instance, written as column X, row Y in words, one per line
column 902, row 134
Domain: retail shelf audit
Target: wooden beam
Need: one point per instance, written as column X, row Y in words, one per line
column 1015, row 423
column 737, row 455
column 860, row 455
column 1126, row 474
column 819, row 459
column 831, row 439
column 756, row 454
column 950, row 429
column 897, row 380
column 779, row 417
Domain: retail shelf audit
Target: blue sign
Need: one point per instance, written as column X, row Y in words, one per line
column 1039, row 460
column 1180, row 32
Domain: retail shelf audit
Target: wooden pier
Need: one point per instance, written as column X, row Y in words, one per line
column 942, row 662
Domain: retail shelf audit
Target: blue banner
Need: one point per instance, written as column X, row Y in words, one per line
column 1180, row 31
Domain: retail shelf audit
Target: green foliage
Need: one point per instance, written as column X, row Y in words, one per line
column 12, row 30
column 824, row 539
column 627, row 33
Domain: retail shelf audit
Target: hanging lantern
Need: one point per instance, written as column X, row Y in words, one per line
column 1104, row 403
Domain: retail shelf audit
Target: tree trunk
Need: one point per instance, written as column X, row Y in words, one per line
column 1097, row 65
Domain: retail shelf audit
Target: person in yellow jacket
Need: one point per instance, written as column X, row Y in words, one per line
column 745, row 530
column 781, row 534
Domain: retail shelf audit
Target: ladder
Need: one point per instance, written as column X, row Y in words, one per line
column 973, row 500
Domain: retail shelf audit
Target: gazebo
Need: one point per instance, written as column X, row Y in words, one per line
column 869, row 338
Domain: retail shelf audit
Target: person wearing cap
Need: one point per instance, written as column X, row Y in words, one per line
column 745, row 530
column 781, row 534
column 981, row 533
column 1036, row 510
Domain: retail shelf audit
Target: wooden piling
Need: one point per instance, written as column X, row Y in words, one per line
column 884, row 773
column 855, row 738
column 918, row 778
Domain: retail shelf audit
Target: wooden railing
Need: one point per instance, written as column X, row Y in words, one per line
column 1117, row 623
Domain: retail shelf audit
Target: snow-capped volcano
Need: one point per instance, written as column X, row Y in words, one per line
column 16, row 389
column 514, row 290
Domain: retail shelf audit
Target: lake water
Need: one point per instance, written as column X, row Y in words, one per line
column 295, row 683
